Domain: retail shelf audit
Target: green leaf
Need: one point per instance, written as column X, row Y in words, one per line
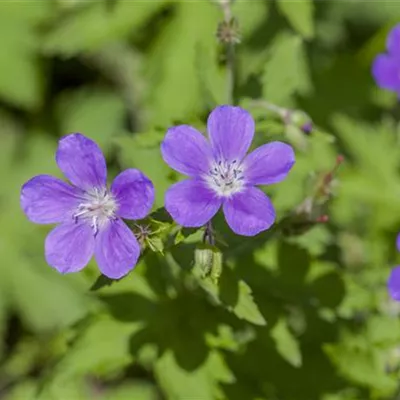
column 346, row 394
column 358, row 298
column 286, row 344
column 300, row 15
column 32, row 288
column 179, row 384
column 182, row 65
column 372, row 12
column 243, row 307
column 22, row 361
column 246, row 308
column 315, row 240
column 24, row 390
column 31, row 389
column 362, row 366
column 224, row 339
column 132, row 390
column 21, row 81
column 383, row 330
column 97, row 113
column 251, row 14
column 286, row 70
column 98, row 26
column 362, row 184
column 76, row 389
column 100, row 349
column 368, row 143
column 155, row 244
column 121, row 64
column 187, row 234
column 228, row 290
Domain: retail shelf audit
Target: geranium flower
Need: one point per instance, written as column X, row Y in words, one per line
column 88, row 213
column 386, row 67
column 221, row 174
column 394, row 278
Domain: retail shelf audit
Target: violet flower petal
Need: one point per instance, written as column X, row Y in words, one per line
column 394, row 283
column 393, row 41
column 191, row 203
column 46, row 199
column 186, row 150
column 269, row 163
column 116, row 249
column 386, row 72
column 69, row 247
column 134, row 193
column 82, row 161
column 249, row 212
column 231, row 131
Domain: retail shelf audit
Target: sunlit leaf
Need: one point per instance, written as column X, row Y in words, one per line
column 286, row 72
column 300, row 15
column 286, row 343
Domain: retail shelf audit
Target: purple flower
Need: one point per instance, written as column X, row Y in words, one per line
column 394, row 278
column 221, row 174
column 88, row 213
column 386, row 67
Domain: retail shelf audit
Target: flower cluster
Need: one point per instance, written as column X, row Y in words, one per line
column 89, row 213
column 221, row 175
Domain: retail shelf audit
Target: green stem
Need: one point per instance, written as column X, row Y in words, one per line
column 282, row 112
column 231, row 73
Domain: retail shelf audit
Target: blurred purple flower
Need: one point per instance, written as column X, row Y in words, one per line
column 394, row 278
column 307, row 127
column 88, row 213
column 386, row 67
column 221, row 174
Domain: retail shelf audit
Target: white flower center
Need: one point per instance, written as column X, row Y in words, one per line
column 98, row 208
column 225, row 178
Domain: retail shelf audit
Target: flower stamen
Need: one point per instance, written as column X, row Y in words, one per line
column 225, row 178
column 99, row 206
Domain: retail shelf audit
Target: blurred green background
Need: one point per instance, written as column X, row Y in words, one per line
column 293, row 317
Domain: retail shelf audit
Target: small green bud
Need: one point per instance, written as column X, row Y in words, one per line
column 209, row 260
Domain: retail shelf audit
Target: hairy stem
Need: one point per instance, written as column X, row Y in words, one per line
column 208, row 236
column 230, row 53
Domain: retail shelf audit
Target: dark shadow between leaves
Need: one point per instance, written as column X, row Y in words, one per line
column 266, row 373
column 275, row 291
column 329, row 290
column 100, row 282
column 294, row 263
column 179, row 324
column 183, row 254
column 158, row 274
column 129, row 307
column 161, row 215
